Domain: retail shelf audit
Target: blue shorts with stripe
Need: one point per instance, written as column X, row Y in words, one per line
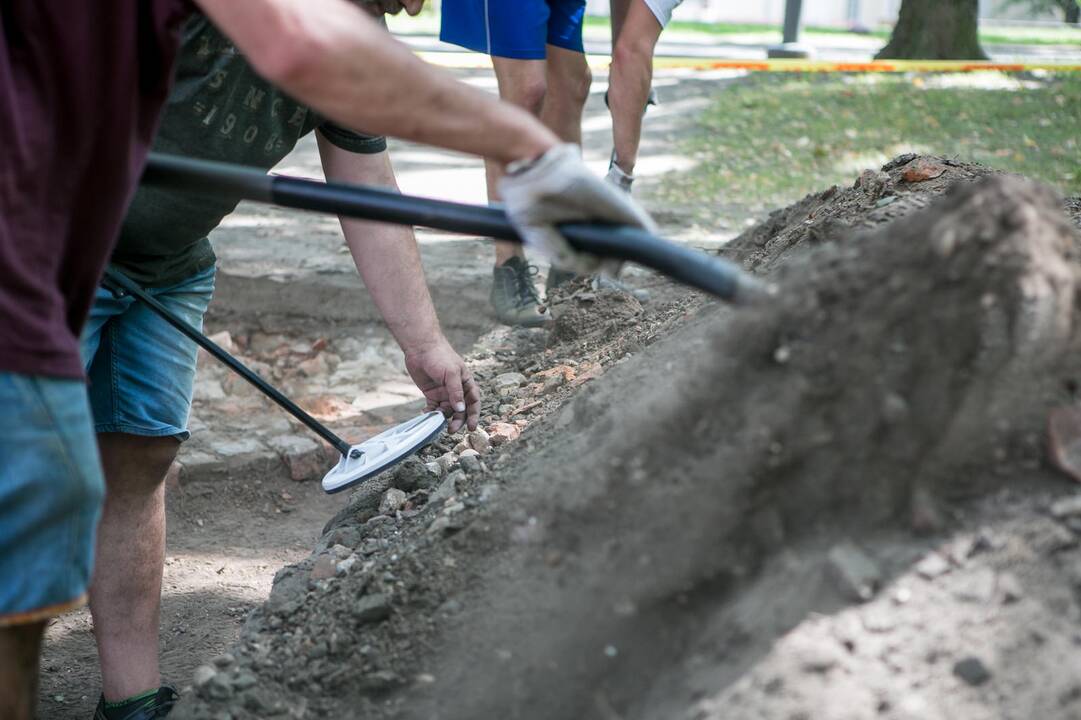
column 518, row 29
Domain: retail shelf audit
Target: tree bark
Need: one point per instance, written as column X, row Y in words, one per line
column 935, row 30
column 1073, row 13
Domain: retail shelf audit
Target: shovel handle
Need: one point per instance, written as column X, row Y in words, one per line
column 691, row 267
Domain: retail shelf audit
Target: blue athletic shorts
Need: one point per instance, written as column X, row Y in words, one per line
column 519, row 29
column 51, row 489
column 141, row 369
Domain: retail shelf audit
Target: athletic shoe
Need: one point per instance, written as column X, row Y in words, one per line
column 617, row 177
column 514, row 298
column 152, row 706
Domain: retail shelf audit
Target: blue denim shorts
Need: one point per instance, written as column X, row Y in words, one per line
column 519, row 29
column 51, row 489
column 141, row 369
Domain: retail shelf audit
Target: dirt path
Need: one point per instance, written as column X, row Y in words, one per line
column 236, row 516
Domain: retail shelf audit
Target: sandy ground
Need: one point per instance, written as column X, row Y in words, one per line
column 236, row 517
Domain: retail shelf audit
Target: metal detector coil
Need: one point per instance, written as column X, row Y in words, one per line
column 385, row 450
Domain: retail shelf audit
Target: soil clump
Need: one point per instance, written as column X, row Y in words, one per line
column 833, row 505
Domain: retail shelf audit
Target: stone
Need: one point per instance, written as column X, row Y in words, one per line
column 972, row 670
column 922, row 169
column 461, row 447
column 326, row 566
column 502, row 433
column 853, row 572
column 508, row 380
column 478, row 440
column 202, row 676
column 392, row 501
column 217, row 687
column 341, row 551
column 371, row 609
column 448, row 488
column 314, row 367
column 470, row 461
column 434, row 468
column 448, row 461
column 1067, row 507
column 347, row 564
column 932, row 566
column 244, row 680
column 1009, row 588
column 301, row 454
column 223, row 660
column 977, row 586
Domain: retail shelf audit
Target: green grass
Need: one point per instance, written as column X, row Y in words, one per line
column 770, row 139
column 992, row 35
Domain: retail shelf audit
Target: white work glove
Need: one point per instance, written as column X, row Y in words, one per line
column 557, row 188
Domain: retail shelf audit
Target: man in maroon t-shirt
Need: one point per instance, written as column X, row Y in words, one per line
column 80, row 88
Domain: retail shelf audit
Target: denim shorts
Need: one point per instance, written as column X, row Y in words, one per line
column 141, row 369
column 519, row 29
column 51, row 489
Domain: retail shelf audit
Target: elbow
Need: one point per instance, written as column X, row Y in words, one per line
column 292, row 56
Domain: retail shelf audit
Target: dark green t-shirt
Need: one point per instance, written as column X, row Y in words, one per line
column 219, row 109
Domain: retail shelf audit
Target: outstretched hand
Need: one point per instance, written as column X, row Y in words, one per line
column 447, row 384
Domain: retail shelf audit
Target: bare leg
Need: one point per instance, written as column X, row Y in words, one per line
column 522, row 83
column 629, row 80
column 20, row 651
column 569, row 79
column 125, row 593
column 618, row 12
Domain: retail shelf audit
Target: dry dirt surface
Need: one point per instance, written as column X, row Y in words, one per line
column 834, row 505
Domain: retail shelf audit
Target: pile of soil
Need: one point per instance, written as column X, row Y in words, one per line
column 833, row 505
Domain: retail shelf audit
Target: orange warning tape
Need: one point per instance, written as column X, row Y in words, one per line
column 467, row 60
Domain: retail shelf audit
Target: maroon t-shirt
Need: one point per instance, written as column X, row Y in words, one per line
column 81, row 85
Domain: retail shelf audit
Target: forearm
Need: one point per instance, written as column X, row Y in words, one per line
column 385, row 255
column 330, row 55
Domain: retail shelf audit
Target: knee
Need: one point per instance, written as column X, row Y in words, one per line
column 632, row 54
column 529, row 94
column 580, row 85
column 135, row 463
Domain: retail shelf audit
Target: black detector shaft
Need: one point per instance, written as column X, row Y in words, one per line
column 118, row 281
column 691, row 267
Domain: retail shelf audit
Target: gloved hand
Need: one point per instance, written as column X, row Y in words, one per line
column 558, row 188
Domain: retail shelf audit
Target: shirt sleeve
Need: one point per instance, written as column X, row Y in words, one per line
column 351, row 141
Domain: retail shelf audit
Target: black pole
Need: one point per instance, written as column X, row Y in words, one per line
column 691, row 267
column 123, row 282
column 792, row 11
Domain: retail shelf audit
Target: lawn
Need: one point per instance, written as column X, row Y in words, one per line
column 769, row 139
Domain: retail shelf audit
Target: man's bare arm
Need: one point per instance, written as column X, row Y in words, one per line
column 330, row 55
column 388, row 260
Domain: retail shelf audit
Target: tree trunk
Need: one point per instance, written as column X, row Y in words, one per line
column 935, row 30
column 1073, row 13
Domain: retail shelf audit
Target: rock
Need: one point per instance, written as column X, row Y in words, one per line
column 314, row 367
column 922, row 169
column 487, row 492
column 341, row 551
column 894, row 408
column 445, row 524
column 1009, row 588
column 287, row 593
column 326, row 566
column 508, row 380
column 501, row 433
column 223, row 660
column 478, row 440
column 461, row 447
column 972, row 671
column 855, row 575
column 1067, row 507
column 447, row 461
column 977, row 586
column 217, row 687
column 470, row 461
column 244, row 680
column 202, row 676
column 347, row 564
column 411, row 474
column 224, row 340
column 392, row 501
column 380, row 681
column 932, row 566
column 371, row 609
column 448, row 488
column 302, row 455
column 434, row 468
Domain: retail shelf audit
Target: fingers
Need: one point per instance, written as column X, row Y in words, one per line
column 412, row 7
column 472, row 402
column 452, row 381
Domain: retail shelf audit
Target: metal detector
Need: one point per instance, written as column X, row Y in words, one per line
column 359, row 462
column 691, row 267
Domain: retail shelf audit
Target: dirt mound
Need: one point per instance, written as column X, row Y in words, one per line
column 638, row 552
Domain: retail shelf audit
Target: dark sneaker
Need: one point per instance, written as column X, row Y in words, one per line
column 148, row 707
column 514, row 297
column 556, row 278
